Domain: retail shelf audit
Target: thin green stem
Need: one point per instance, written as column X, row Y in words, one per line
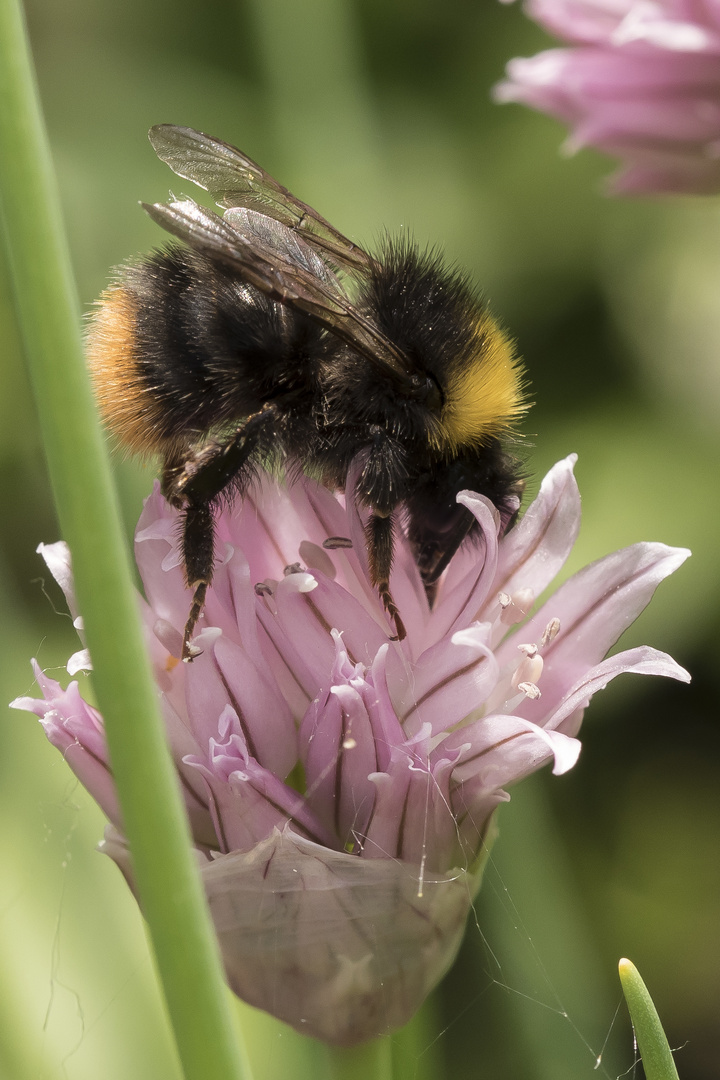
column 416, row 1047
column 154, row 820
column 655, row 1052
column 370, row 1061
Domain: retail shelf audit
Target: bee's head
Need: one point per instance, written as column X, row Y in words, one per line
column 466, row 377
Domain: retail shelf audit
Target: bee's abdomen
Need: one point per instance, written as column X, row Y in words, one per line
column 132, row 413
column 178, row 348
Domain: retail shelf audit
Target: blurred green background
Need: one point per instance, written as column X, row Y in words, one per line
column 379, row 114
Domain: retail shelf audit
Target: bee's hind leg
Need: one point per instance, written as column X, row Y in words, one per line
column 196, row 484
column 198, row 546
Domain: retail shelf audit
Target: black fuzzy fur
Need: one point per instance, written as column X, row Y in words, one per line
column 213, row 352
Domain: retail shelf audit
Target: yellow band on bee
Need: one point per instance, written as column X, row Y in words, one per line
column 483, row 395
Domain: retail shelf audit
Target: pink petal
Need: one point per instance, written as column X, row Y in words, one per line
column 534, row 552
column 287, row 659
column 387, row 729
column 225, row 675
column 194, row 789
column 75, row 728
column 268, row 720
column 451, row 679
column 157, row 554
column 456, row 610
column 412, row 818
column 643, row 80
column 594, row 608
column 579, row 20
column 640, row 661
column 309, row 610
column 246, row 801
column 348, row 732
column 665, row 24
column 271, row 527
column 339, row 756
column 500, row 750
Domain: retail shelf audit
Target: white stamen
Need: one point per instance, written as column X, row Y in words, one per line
column 550, row 632
column 529, row 650
column 528, row 670
column 518, row 607
column 523, row 600
column 530, row 690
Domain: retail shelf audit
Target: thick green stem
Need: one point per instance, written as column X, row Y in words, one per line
column 171, row 895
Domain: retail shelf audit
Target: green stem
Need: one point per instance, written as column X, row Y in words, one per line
column 416, row 1047
column 370, row 1061
column 655, row 1052
column 172, row 899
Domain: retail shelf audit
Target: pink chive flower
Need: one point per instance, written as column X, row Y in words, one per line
column 641, row 82
column 341, row 785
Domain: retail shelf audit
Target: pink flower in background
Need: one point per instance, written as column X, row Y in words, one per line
column 341, row 785
column 642, row 82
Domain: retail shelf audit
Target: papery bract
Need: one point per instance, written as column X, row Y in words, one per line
column 341, row 784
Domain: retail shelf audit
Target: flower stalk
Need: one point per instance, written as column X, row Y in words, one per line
column 48, row 313
column 369, row 1061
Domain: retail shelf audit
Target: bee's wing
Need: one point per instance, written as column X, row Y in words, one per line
column 235, row 180
column 268, row 255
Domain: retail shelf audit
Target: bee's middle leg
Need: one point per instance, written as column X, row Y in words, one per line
column 379, row 535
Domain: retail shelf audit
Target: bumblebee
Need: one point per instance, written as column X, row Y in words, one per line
column 242, row 348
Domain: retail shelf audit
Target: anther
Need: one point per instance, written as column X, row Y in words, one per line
column 550, row 632
column 334, row 542
column 528, row 670
column 294, row 568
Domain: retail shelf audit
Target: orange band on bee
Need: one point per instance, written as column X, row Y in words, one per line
column 125, row 405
